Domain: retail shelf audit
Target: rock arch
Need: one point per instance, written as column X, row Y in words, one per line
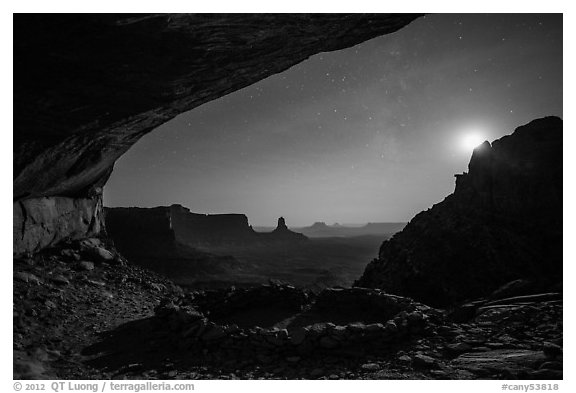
column 87, row 87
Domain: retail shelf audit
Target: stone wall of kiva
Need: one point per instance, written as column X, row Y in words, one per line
column 42, row 222
column 386, row 320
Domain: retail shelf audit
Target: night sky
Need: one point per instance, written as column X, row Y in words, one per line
column 372, row 133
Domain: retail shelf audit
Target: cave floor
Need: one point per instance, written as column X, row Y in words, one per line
column 74, row 320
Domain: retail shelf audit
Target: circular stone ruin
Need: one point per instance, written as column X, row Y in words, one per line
column 273, row 321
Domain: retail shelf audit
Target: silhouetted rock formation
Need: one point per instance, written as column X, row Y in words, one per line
column 87, row 87
column 281, row 225
column 207, row 232
column 503, row 222
column 210, row 230
column 282, row 234
column 320, row 229
column 149, row 237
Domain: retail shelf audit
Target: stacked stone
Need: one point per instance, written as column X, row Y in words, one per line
column 223, row 302
column 196, row 332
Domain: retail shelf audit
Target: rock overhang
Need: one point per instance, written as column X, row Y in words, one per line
column 89, row 86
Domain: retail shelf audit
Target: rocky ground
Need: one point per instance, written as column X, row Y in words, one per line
column 82, row 312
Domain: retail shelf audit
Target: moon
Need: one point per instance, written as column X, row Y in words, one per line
column 471, row 140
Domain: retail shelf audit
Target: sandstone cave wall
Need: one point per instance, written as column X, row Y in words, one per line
column 39, row 222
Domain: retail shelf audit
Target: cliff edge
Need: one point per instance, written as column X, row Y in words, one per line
column 503, row 222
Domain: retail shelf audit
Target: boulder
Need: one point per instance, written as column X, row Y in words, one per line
column 513, row 288
column 510, row 363
column 370, row 367
column 60, row 280
column 551, row 366
column 85, row 265
column 99, row 254
column 424, row 361
column 458, row 348
column 551, row 350
column 26, row 277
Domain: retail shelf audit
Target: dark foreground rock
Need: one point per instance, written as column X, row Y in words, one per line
column 65, row 298
column 82, row 312
column 503, row 222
